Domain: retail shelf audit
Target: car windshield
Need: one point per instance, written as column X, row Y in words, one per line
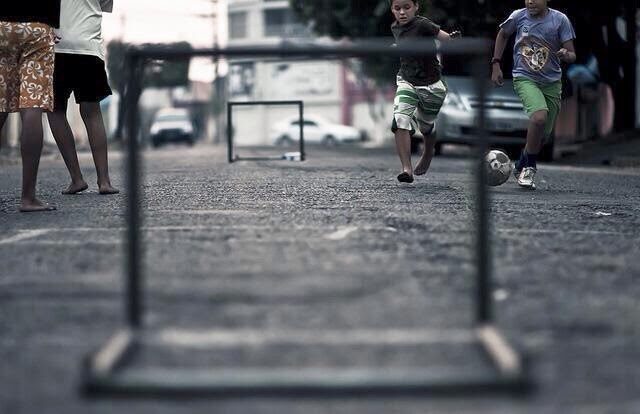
column 306, row 122
column 454, row 65
column 172, row 118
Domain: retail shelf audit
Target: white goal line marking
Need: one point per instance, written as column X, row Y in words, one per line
column 594, row 169
column 551, row 231
column 224, row 338
column 24, row 235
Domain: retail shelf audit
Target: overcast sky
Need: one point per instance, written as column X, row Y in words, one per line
column 166, row 21
column 162, row 21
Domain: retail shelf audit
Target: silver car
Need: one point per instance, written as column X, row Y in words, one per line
column 506, row 121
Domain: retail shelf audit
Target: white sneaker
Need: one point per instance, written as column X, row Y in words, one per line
column 526, row 178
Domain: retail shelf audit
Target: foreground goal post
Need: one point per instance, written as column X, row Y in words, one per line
column 231, row 148
column 109, row 371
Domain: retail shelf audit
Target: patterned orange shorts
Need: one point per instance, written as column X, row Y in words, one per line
column 26, row 66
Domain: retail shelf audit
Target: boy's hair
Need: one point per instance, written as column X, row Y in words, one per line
column 414, row 2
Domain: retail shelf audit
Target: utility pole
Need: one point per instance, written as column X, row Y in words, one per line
column 219, row 95
column 631, row 62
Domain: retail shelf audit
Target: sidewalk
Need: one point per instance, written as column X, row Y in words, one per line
column 620, row 150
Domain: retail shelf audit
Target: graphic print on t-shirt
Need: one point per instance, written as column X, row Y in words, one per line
column 535, row 52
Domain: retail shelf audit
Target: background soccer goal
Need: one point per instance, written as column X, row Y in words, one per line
column 232, row 131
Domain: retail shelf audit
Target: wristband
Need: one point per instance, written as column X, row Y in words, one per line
column 496, row 60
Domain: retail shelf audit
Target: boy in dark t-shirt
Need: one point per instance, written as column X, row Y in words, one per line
column 421, row 91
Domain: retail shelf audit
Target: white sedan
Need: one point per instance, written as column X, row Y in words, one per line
column 317, row 130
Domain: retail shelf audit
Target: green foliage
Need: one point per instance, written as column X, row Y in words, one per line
column 355, row 19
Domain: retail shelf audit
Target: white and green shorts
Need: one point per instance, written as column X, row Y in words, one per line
column 417, row 105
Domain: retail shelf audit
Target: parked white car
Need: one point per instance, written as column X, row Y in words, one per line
column 172, row 125
column 317, row 130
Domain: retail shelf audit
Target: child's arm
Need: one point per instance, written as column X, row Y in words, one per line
column 496, row 71
column 567, row 53
column 444, row 36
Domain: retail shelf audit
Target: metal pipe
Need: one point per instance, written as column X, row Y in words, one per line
column 134, row 299
column 483, row 251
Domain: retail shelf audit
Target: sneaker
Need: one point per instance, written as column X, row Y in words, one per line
column 525, row 179
column 516, row 172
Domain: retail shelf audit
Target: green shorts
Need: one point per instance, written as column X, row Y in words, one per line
column 540, row 97
column 417, row 105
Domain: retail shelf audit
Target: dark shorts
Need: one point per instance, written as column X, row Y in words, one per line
column 84, row 75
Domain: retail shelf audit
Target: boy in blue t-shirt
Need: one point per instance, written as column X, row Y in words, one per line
column 544, row 39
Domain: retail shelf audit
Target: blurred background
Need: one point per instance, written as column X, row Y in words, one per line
column 185, row 102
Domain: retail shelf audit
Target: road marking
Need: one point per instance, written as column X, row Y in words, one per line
column 206, row 212
column 203, row 339
column 340, row 234
column 499, row 350
column 550, row 231
column 599, row 170
column 24, row 235
column 602, row 214
column 337, row 235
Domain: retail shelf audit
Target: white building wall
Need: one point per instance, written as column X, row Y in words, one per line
column 317, row 83
column 377, row 125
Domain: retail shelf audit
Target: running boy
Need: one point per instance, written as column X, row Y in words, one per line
column 80, row 69
column 26, row 81
column 544, row 38
column 421, row 91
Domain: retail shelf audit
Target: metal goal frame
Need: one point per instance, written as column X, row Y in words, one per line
column 108, row 371
column 231, row 149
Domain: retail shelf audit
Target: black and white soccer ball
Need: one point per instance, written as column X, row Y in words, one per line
column 498, row 166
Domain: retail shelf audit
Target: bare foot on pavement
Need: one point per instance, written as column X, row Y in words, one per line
column 75, row 188
column 107, row 189
column 35, row 206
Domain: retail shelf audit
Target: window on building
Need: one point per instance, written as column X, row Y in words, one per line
column 237, row 25
column 282, row 22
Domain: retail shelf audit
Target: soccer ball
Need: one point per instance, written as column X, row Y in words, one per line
column 498, row 167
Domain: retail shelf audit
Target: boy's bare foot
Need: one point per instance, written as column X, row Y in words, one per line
column 405, row 177
column 106, row 189
column 75, row 188
column 35, row 206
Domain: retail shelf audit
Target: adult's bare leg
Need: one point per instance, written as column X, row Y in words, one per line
column 3, row 120
column 30, row 150
column 63, row 135
column 92, row 117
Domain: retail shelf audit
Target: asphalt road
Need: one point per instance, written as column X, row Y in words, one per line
column 329, row 248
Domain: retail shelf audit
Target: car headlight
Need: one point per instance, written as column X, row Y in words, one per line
column 455, row 100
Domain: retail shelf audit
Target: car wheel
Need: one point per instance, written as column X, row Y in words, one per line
column 329, row 141
column 416, row 145
column 437, row 149
column 284, row 141
column 546, row 154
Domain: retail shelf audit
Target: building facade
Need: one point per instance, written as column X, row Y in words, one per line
column 325, row 86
